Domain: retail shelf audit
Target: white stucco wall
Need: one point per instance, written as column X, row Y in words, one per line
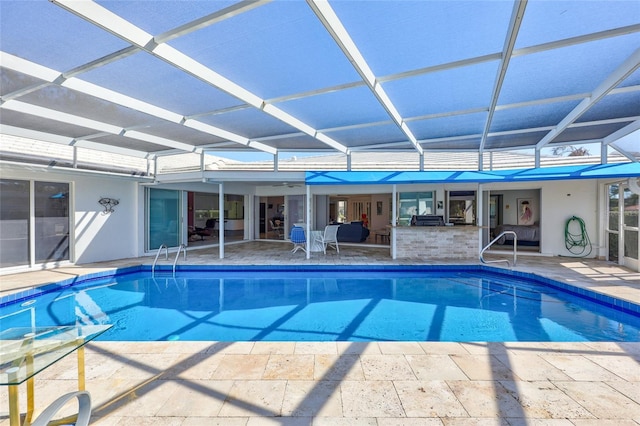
column 101, row 236
column 560, row 200
column 555, row 202
column 510, row 205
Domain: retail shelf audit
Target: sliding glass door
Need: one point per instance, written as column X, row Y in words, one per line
column 34, row 222
column 14, row 222
column 623, row 228
column 51, row 208
column 163, row 219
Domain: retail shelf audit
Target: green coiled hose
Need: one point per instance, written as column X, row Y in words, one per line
column 577, row 241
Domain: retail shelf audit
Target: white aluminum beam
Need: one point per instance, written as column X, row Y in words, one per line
column 626, row 130
column 70, row 141
column 510, row 41
column 100, row 92
column 76, row 120
column 341, row 36
column 623, row 71
column 213, row 18
column 103, row 18
column 626, row 153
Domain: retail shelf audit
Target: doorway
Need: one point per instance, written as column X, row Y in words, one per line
column 622, row 226
column 271, row 218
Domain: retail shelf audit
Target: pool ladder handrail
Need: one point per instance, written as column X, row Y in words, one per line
column 166, row 257
column 515, row 249
column 184, row 250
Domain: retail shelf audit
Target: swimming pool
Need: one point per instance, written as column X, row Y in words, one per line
column 322, row 303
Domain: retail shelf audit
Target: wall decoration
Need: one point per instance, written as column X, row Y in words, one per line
column 108, row 204
column 525, row 211
column 379, row 208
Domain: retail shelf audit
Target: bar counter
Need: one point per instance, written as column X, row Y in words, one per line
column 437, row 242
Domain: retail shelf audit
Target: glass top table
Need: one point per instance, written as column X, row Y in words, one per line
column 45, row 345
column 26, row 351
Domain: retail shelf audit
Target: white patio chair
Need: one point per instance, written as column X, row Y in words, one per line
column 84, row 409
column 278, row 228
column 329, row 238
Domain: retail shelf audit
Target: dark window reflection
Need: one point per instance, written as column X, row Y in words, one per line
column 14, row 222
column 51, row 221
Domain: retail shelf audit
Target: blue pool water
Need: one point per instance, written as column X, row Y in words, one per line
column 475, row 303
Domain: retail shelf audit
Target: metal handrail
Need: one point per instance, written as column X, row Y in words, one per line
column 184, row 250
column 515, row 249
column 166, row 257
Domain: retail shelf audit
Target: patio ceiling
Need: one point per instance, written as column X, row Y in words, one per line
column 148, row 79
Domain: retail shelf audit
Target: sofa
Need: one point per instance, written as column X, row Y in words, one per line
column 352, row 232
column 528, row 235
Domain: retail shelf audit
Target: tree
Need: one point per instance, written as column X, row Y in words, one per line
column 573, row 151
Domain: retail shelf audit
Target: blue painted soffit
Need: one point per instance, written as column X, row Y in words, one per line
column 594, row 171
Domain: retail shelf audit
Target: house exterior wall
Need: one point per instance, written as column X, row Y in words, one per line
column 96, row 236
column 554, row 206
column 100, row 236
column 560, row 200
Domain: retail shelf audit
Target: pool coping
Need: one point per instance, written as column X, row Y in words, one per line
column 604, row 299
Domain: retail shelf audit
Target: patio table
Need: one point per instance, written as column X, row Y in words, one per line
column 26, row 351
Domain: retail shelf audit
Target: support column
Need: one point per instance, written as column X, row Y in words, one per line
column 394, row 222
column 155, row 168
column 221, row 218
column 308, row 188
column 479, row 218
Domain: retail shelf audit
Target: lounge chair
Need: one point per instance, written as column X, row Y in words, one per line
column 298, row 239
column 210, row 227
column 329, row 238
column 207, row 231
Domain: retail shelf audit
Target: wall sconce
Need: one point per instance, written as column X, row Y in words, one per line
column 108, row 204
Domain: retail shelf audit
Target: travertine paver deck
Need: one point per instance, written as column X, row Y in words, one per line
column 354, row 383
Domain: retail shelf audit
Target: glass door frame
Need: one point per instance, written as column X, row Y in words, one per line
column 623, row 228
column 44, row 224
column 164, row 218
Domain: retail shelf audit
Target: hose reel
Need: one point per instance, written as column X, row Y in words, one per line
column 576, row 238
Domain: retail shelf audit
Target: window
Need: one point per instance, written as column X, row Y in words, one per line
column 462, row 207
column 342, row 211
column 414, row 203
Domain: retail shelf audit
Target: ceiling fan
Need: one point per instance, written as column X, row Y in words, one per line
column 289, row 184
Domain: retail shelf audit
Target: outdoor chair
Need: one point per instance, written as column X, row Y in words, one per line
column 84, row 409
column 210, row 227
column 329, row 238
column 277, row 228
column 298, row 239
